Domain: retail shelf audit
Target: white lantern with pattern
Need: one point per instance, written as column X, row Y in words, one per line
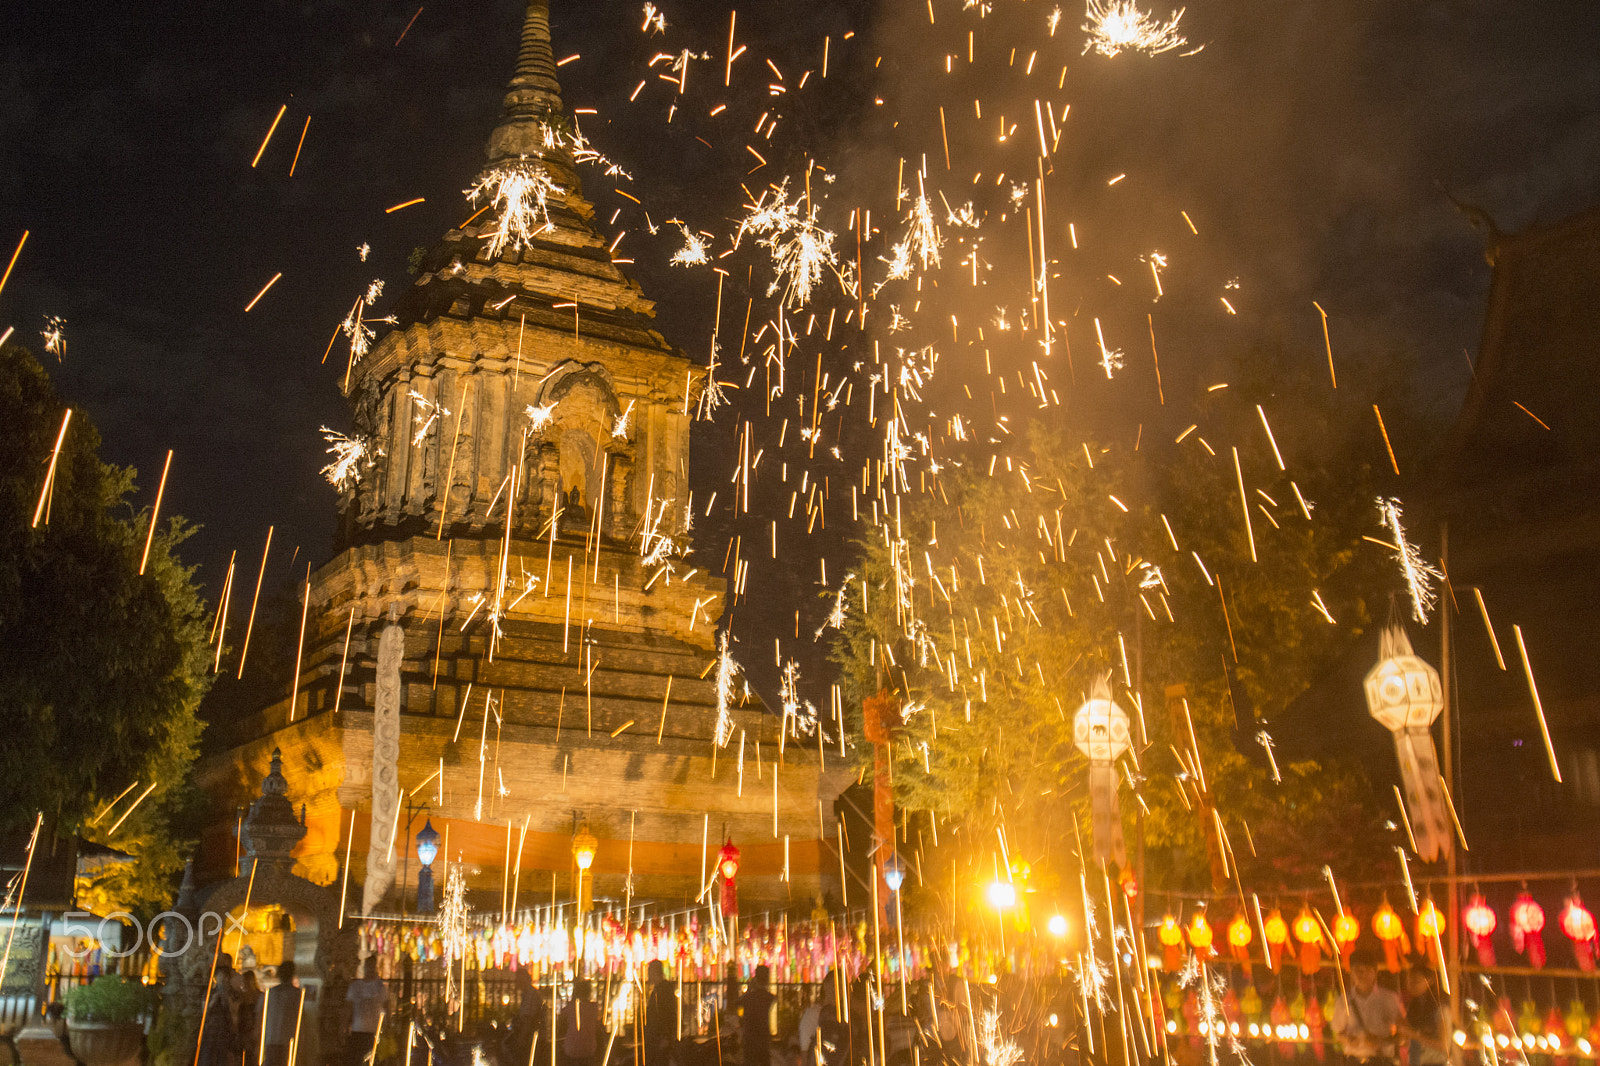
column 1100, row 731
column 1405, row 695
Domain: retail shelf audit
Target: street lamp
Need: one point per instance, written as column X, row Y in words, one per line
column 583, row 849
column 427, row 851
column 894, row 873
column 1002, row 894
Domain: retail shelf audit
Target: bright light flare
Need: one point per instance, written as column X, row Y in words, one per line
column 1117, row 26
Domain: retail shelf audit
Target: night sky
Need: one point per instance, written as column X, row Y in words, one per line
column 1312, row 143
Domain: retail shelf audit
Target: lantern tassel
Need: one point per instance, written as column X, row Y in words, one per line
column 1419, row 771
column 1107, row 816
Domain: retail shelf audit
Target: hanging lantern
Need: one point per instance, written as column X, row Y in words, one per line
column 1391, row 932
column 1404, row 694
column 1100, row 731
column 1578, row 924
column 1239, row 937
column 1200, row 934
column 1527, row 929
column 1479, row 920
column 1308, row 931
column 1170, row 934
column 1346, row 930
column 1430, row 927
column 1276, row 931
column 728, row 867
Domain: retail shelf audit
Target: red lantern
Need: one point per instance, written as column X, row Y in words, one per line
column 1309, row 933
column 1527, row 929
column 728, row 867
column 1578, row 923
column 1479, row 920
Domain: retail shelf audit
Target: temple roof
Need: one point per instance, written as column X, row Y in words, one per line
column 531, row 252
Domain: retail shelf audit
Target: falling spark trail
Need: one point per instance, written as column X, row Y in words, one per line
column 155, row 513
column 1538, row 707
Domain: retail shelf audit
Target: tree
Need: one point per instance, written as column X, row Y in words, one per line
column 987, row 607
column 101, row 668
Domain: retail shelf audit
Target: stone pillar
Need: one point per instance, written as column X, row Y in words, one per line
column 385, row 766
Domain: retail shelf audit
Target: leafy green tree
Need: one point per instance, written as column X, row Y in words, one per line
column 101, row 668
column 987, row 608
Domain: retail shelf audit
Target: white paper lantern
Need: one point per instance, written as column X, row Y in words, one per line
column 1403, row 691
column 1100, row 727
column 1100, row 731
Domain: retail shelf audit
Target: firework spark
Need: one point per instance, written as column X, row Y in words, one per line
column 1418, row 574
column 55, row 338
column 1117, row 26
column 427, row 416
column 800, row 248
column 654, row 21
column 522, row 192
column 540, row 416
column 351, row 456
column 619, row 428
column 727, row 673
column 693, row 252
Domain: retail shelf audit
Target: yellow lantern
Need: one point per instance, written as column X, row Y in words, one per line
column 1170, row 933
column 1200, row 935
column 1276, row 931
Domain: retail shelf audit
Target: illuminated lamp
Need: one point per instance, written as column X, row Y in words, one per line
column 1527, row 928
column 1200, row 934
column 1239, row 937
column 1578, row 924
column 1170, row 934
column 1308, row 932
column 1100, row 731
column 728, row 867
column 1391, row 932
column 1276, row 931
column 1479, row 920
column 1346, row 931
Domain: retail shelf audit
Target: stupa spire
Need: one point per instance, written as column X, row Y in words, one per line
column 532, row 105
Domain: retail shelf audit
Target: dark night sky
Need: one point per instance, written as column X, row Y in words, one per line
column 1310, row 141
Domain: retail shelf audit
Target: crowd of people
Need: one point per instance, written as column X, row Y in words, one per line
column 840, row 1023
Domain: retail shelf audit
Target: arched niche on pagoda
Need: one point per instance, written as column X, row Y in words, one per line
column 576, row 458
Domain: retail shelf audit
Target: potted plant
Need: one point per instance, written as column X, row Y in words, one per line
column 104, row 1020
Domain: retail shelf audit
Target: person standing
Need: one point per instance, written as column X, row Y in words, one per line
column 367, row 1000
column 1367, row 1017
column 531, row 1020
column 580, row 1026
column 660, row 1016
column 755, row 1031
column 249, row 1024
column 1427, row 1021
column 280, row 1023
column 219, row 1042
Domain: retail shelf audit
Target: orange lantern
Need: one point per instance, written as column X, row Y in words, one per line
column 1527, row 928
column 1578, row 924
column 1391, row 931
column 1309, row 932
column 1239, row 937
column 1479, row 920
column 1346, row 930
column 1170, row 933
column 1430, row 924
column 1277, row 934
column 1200, row 935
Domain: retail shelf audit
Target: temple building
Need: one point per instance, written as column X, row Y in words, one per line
column 511, row 641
